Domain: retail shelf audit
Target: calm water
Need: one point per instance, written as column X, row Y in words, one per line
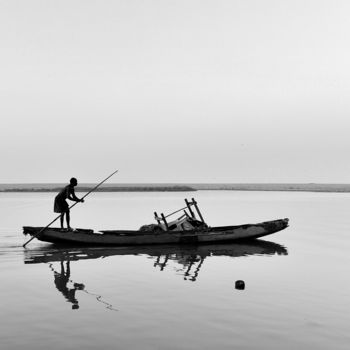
column 297, row 280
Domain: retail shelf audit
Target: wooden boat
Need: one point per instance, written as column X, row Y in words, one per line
column 129, row 237
column 187, row 229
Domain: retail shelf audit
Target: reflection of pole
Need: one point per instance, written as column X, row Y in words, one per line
column 99, row 299
column 187, row 273
column 157, row 261
column 163, row 264
column 187, row 261
column 196, row 271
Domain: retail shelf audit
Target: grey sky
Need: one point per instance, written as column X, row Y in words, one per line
column 175, row 91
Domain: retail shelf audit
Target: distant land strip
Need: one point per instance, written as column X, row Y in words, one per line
column 105, row 189
column 173, row 187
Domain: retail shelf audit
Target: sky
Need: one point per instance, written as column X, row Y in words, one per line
column 235, row 91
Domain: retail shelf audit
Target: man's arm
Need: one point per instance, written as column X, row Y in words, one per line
column 73, row 197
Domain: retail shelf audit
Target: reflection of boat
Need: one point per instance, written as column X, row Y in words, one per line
column 190, row 258
column 256, row 247
column 186, row 229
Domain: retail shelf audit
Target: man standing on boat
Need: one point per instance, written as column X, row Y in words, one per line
column 61, row 206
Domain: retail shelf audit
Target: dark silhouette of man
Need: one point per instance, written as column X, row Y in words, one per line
column 61, row 206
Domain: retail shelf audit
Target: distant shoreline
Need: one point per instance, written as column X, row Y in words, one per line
column 105, row 189
column 284, row 187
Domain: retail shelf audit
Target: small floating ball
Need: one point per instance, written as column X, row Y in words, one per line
column 240, row 284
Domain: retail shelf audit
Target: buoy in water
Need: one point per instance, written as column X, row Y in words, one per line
column 240, row 284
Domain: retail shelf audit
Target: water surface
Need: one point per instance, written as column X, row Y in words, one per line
column 174, row 297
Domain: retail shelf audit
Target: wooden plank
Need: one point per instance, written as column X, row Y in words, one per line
column 156, row 217
column 165, row 222
column 196, row 206
column 189, row 208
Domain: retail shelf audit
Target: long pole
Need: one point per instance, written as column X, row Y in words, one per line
column 43, row 229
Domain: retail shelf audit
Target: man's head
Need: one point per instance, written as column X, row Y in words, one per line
column 73, row 181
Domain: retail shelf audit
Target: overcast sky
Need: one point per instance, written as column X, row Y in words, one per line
column 175, row 91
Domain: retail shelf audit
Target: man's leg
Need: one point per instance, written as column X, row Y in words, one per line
column 68, row 219
column 62, row 219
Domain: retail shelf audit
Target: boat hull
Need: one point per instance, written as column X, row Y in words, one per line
column 125, row 237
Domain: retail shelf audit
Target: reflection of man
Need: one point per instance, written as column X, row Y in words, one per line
column 61, row 281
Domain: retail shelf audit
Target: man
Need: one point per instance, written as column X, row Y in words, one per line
column 61, row 206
